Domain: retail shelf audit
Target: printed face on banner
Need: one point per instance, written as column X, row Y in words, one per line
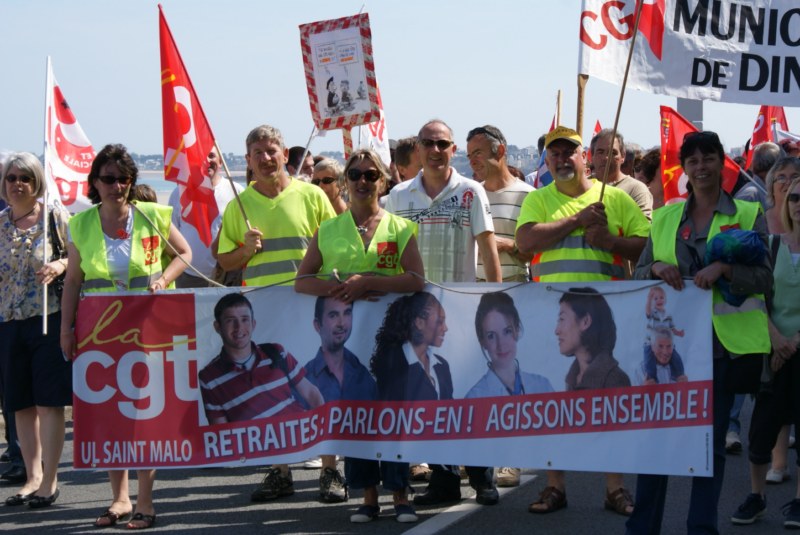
column 139, row 363
column 340, row 74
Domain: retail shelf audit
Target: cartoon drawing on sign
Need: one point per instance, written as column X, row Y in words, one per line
column 333, row 97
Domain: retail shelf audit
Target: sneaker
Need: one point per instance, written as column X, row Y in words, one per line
column 732, row 442
column 776, row 477
column 365, row 513
column 332, row 486
column 791, row 514
column 420, row 472
column 752, row 509
column 312, row 464
column 791, row 441
column 275, row 485
column 508, row 477
column 405, row 513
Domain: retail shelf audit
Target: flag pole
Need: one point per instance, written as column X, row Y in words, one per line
column 582, row 79
column 558, row 108
column 233, row 186
column 45, row 226
column 639, row 5
column 308, row 144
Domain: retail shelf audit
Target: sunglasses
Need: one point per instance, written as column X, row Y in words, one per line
column 25, row 179
column 109, row 180
column 373, row 175
column 326, row 180
column 793, row 197
column 441, row 144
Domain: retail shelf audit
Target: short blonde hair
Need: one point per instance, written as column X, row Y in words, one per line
column 369, row 154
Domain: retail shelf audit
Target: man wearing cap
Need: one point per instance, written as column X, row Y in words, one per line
column 574, row 235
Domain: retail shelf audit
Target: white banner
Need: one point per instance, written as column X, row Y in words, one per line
column 140, row 357
column 743, row 52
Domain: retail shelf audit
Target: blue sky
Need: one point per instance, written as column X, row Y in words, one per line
column 467, row 62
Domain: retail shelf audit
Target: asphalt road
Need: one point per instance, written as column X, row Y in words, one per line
column 217, row 500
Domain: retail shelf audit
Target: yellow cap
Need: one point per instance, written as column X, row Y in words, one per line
column 562, row 132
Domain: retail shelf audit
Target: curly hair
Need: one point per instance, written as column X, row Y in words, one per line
column 398, row 327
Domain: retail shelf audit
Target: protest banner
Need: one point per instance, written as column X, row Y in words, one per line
column 340, row 72
column 138, row 401
column 68, row 153
column 742, row 52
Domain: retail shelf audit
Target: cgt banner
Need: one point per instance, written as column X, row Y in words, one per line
column 579, row 377
column 744, row 52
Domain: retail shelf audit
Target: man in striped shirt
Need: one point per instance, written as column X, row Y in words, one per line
column 486, row 150
column 248, row 381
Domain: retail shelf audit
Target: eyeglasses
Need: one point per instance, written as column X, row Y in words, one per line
column 441, row 144
column 326, row 180
column 109, row 180
column 793, row 197
column 25, row 179
column 373, row 175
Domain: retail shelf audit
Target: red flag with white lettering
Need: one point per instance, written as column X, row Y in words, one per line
column 68, row 153
column 187, row 138
column 674, row 127
column 763, row 129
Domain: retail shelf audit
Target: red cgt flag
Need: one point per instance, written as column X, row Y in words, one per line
column 763, row 131
column 187, row 137
column 673, row 129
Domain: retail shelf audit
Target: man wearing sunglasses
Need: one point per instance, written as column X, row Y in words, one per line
column 202, row 257
column 452, row 211
column 454, row 215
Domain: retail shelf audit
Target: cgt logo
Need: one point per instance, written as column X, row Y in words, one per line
column 388, row 256
column 150, row 246
column 610, row 21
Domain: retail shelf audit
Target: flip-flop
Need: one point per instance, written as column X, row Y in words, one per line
column 147, row 521
column 112, row 517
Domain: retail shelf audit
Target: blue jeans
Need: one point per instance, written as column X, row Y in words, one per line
column 734, row 423
column 651, row 490
column 363, row 473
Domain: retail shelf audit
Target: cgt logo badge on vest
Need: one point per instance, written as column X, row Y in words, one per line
column 150, row 246
column 388, row 256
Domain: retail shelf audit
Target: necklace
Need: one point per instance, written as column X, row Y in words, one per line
column 243, row 365
column 14, row 220
column 364, row 227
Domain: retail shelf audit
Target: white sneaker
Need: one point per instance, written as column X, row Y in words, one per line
column 508, row 477
column 733, row 443
column 311, row 464
column 791, row 440
column 776, row 477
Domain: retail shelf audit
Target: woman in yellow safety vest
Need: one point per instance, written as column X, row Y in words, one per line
column 674, row 252
column 116, row 246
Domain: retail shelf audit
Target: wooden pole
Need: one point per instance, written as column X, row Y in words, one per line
column 622, row 94
column 233, row 186
column 582, row 79
column 558, row 108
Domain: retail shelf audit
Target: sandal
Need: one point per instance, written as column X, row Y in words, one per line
column 146, row 520
column 112, row 517
column 550, row 500
column 620, row 501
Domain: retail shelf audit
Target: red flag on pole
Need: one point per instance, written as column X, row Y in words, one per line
column 68, row 153
column 673, row 129
column 187, row 137
column 763, row 129
column 597, row 129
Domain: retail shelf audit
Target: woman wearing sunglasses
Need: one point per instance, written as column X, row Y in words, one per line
column 328, row 176
column 117, row 246
column 362, row 253
column 36, row 380
column 674, row 252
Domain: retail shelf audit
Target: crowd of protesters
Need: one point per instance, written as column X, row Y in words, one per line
column 572, row 230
